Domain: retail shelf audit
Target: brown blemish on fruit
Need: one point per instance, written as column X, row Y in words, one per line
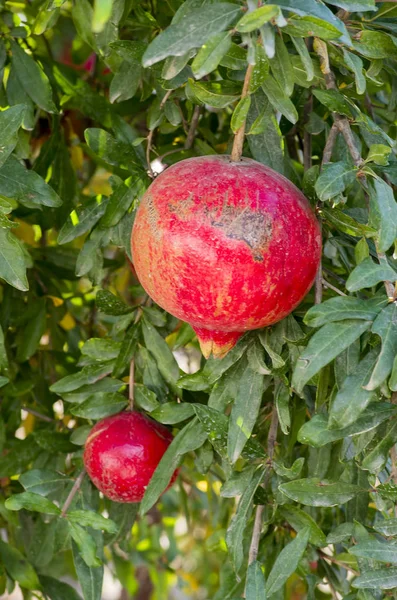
column 153, row 216
column 239, row 223
column 252, row 228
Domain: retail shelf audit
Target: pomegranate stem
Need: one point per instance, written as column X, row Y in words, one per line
column 238, row 141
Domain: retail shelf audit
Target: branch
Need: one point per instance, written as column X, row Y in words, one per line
column 192, row 129
column 332, row 287
column 307, row 138
column 343, row 125
column 329, row 144
column 72, row 493
column 35, row 413
column 238, row 141
column 256, row 533
column 148, row 149
column 131, row 386
column 164, row 100
column 331, row 559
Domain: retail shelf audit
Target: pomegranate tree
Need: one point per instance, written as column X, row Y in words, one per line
column 122, row 452
column 226, row 246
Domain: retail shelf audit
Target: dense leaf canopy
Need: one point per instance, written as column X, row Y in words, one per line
column 288, row 481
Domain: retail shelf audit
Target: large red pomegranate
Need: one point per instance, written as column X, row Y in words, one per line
column 122, row 452
column 226, row 246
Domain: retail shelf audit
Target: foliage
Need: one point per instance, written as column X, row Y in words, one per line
column 89, row 93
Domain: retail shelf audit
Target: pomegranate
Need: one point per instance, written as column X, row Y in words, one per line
column 122, row 452
column 226, row 246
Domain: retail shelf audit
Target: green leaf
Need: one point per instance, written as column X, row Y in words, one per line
column 110, row 304
column 255, row 586
column 385, row 325
column 355, row 64
column 368, row 274
column 32, row 78
column 383, row 213
column 125, row 83
column 12, row 261
column 258, row 17
column 34, row 330
column 240, row 114
column 281, row 397
column 210, row 54
column 107, row 384
column 375, row 461
column 10, row 122
column 218, row 94
column 324, row 346
column 393, row 377
column 216, row 425
column 381, row 579
column 375, row 44
column 89, row 518
column 83, row 219
column 101, row 405
column 299, row 520
column 264, row 139
column 42, row 481
column 312, row 26
column 334, row 101
column 316, row 432
column 352, row 399
column 192, row 31
column 25, row 186
column 387, row 491
column 346, row 223
column 244, row 412
column 111, row 150
column 235, row 58
column 316, row 492
column 100, row 349
column 340, row 308
column 315, row 9
column 101, row 14
column 90, row 578
column 303, row 52
column 128, row 348
column 388, row 527
column 238, row 524
column 379, row 154
column 86, row 376
column 18, row 567
column 58, row 590
column 333, row 179
column 33, row 502
column 279, row 99
column 82, row 18
column 287, row 562
column 237, row 483
column 145, row 398
column 289, row 472
column 259, row 74
column 354, row 5
column 191, row 437
column 282, row 67
column 158, row 347
column 121, row 200
column 173, row 412
column 85, row 543
column 130, row 50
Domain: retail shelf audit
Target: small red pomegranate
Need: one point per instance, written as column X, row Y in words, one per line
column 122, row 452
column 226, row 246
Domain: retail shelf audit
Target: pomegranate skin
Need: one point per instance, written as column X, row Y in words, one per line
column 226, row 246
column 122, row 452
